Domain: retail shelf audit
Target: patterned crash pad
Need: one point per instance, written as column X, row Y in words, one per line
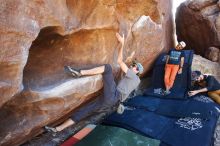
column 114, row 136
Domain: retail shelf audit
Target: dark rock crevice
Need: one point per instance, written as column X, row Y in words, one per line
column 51, row 51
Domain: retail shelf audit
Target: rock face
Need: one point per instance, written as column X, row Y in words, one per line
column 198, row 24
column 39, row 37
column 212, row 53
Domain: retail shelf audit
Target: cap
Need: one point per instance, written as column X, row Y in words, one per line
column 183, row 44
column 140, row 68
column 195, row 75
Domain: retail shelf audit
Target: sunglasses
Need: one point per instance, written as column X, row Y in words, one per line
column 134, row 65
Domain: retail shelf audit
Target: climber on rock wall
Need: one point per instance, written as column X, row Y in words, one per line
column 205, row 83
column 174, row 65
column 113, row 95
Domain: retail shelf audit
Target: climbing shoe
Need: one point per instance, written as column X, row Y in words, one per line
column 50, row 129
column 120, row 109
column 166, row 92
column 72, row 71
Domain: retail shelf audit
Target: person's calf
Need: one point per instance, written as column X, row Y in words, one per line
column 93, row 71
column 59, row 128
column 64, row 125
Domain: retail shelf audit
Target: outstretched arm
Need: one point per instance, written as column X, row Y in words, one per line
column 123, row 66
column 192, row 93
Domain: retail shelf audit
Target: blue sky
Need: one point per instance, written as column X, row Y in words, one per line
column 176, row 3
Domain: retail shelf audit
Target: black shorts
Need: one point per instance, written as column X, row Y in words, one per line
column 110, row 88
column 110, row 97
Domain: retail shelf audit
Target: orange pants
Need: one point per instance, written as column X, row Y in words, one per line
column 170, row 75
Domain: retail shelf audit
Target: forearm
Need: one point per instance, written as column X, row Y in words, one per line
column 120, row 53
column 123, row 66
column 168, row 57
column 181, row 62
column 202, row 90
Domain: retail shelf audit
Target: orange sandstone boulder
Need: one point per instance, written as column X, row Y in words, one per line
column 39, row 37
column 198, row 24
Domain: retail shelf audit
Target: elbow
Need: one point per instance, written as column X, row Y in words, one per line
column 119, row 61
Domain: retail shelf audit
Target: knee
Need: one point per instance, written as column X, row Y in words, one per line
column 214, row 96
column 166, row 77
column 210, row 93
column 217, row 100
column 108, row 68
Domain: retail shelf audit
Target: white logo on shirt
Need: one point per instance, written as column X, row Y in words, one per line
column 174, row 55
